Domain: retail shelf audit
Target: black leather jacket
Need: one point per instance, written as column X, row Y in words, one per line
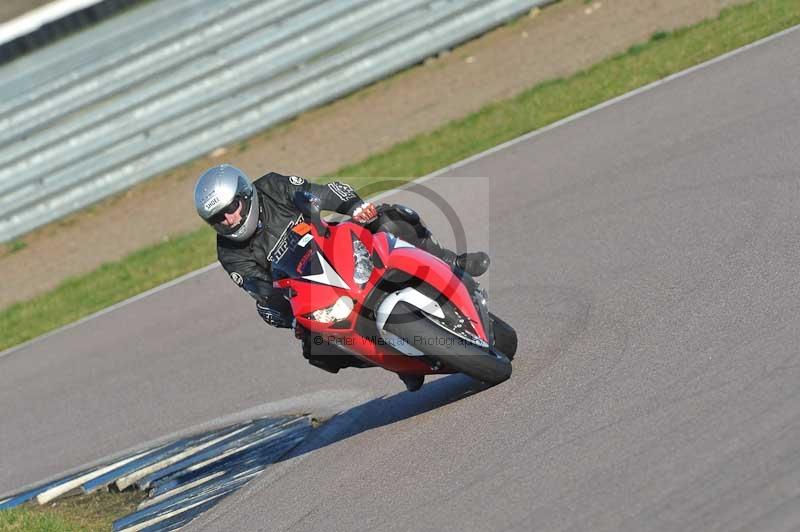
column 278, row 214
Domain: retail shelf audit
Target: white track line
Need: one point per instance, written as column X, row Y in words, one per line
column 608, row 103
column 441, row 171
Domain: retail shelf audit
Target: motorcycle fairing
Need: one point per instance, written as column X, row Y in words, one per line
column 391, row 257
column 407, row 295
column 431, row 270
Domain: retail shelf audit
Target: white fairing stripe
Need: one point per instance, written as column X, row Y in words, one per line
column 413, row 297
column 400, row 243
column 328, row 275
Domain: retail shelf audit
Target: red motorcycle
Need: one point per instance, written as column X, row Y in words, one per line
column 388, row 303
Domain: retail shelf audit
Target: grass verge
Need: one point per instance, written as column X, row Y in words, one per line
column 93, row 513
column 665, row 54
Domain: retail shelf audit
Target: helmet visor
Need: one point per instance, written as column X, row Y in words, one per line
column 219, row 220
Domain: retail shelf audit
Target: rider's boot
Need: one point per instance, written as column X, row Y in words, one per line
column 406, row 224
column 475, row 263
column 412, row 382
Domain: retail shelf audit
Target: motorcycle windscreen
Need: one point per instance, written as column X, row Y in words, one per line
column 299, row 259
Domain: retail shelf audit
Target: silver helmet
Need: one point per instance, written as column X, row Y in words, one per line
column 224, row 189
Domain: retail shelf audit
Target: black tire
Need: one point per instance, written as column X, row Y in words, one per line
column 449, row 349
column 505, row 337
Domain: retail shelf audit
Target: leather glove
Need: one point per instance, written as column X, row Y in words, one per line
column 365, row 213
column 275, row 317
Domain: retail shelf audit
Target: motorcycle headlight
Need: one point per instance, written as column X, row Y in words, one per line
column 339, row 311
column 362, row 265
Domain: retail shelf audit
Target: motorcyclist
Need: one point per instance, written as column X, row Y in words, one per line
column 252, row 221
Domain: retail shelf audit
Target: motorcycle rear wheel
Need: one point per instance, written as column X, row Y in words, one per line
column 447, row 348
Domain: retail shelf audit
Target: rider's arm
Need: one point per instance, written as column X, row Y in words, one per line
column 237, row 259
column 335, row 196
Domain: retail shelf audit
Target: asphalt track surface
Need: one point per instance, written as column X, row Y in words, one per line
column 649, row 255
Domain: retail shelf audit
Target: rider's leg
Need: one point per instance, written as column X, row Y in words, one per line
column 475, row 263
column 320, row 353
column 406, row 224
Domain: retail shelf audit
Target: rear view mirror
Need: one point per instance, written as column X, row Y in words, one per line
column 308, row 205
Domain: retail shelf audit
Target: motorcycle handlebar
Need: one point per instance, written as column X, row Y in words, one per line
column 261, row 290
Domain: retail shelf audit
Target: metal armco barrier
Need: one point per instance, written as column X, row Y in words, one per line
column 53, row 21
column 172, row 80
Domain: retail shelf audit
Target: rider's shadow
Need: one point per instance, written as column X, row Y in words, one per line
column 386, row 410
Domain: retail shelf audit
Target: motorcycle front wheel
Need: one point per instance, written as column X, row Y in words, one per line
column 455, row 353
